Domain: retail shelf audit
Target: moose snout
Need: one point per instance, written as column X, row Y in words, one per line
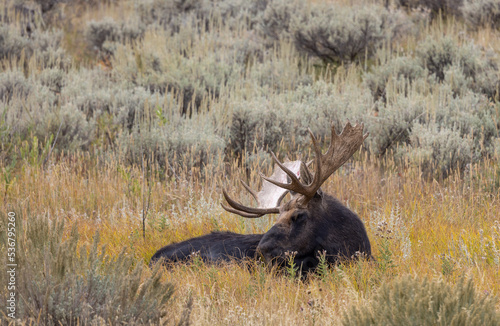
column 267, row 252
column 307, row 263
column 271, row 254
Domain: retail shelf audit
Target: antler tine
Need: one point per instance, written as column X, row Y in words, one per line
column 246, row 211
column 334, row 136
column 317, row 176
column 254, row 195
column 341, row 148
column 296, row 185
column 241, row 213
column 285, row 169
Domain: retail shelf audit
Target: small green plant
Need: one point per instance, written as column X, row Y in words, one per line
column 447, row 265
column 323, row 267
column 8, row 175
column 161, row 116
column 196, row 261
column 36, row 152
column 385, row 261
column 291, row 268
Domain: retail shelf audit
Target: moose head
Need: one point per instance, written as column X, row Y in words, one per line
column 312, row 221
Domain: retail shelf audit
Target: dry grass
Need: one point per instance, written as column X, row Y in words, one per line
column 437, row 229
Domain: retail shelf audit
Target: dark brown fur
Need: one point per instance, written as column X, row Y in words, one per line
column 213, row 247
column 325, row 225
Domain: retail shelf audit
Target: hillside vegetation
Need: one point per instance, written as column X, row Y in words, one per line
column 121, row 121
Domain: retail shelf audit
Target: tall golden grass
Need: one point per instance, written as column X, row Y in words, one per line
column 439, row 229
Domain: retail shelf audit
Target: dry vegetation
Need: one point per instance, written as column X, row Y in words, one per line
column 121, row 121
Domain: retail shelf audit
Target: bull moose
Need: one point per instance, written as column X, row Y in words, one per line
column 310, row 222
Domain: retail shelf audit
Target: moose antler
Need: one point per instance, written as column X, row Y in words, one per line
column 341, row 148
column 270, row 195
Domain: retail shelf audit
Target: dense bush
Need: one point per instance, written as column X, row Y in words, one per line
column 393, row 122
column 439, row 54
column 438, row 150
column 24, row 36
column 180, row 143
column 60, row 282
column 45, row 44
column 87, row 110
column 99, row 32
column 278, row 19
column 458, row 131
column 482, row 13
column 107, row 30
column 438, row 138
column 400, row 70
column 13, row 83
column 262, row 123
column 412, row 301
column 193, row 75
column 435, row 7
column 47, row 5
column 343, row 34
column 439, row 60
column 174, row 15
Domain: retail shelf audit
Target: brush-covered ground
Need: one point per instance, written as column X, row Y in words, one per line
column 444, row 231
column 121, row 122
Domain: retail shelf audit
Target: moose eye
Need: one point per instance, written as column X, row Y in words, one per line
column 299, row 216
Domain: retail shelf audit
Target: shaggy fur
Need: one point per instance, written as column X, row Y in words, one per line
column 324, row 225
column 213, row 247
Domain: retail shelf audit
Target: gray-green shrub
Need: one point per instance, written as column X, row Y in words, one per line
column 261, row 123
column 438, row 149
column 401, row 70
column 437, row 55
column 13, row 83
column 412, row 301
column 101, row 34
column 182, row 143
column 46, row 44
column 277, row 21
column 458, row 131
column 480, row 13
column 174, row 15
column 60, row 283
column 435, row 7
column 343, row 34
column 438, row 60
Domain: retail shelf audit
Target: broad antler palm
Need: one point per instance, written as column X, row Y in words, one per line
column 341, row 148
